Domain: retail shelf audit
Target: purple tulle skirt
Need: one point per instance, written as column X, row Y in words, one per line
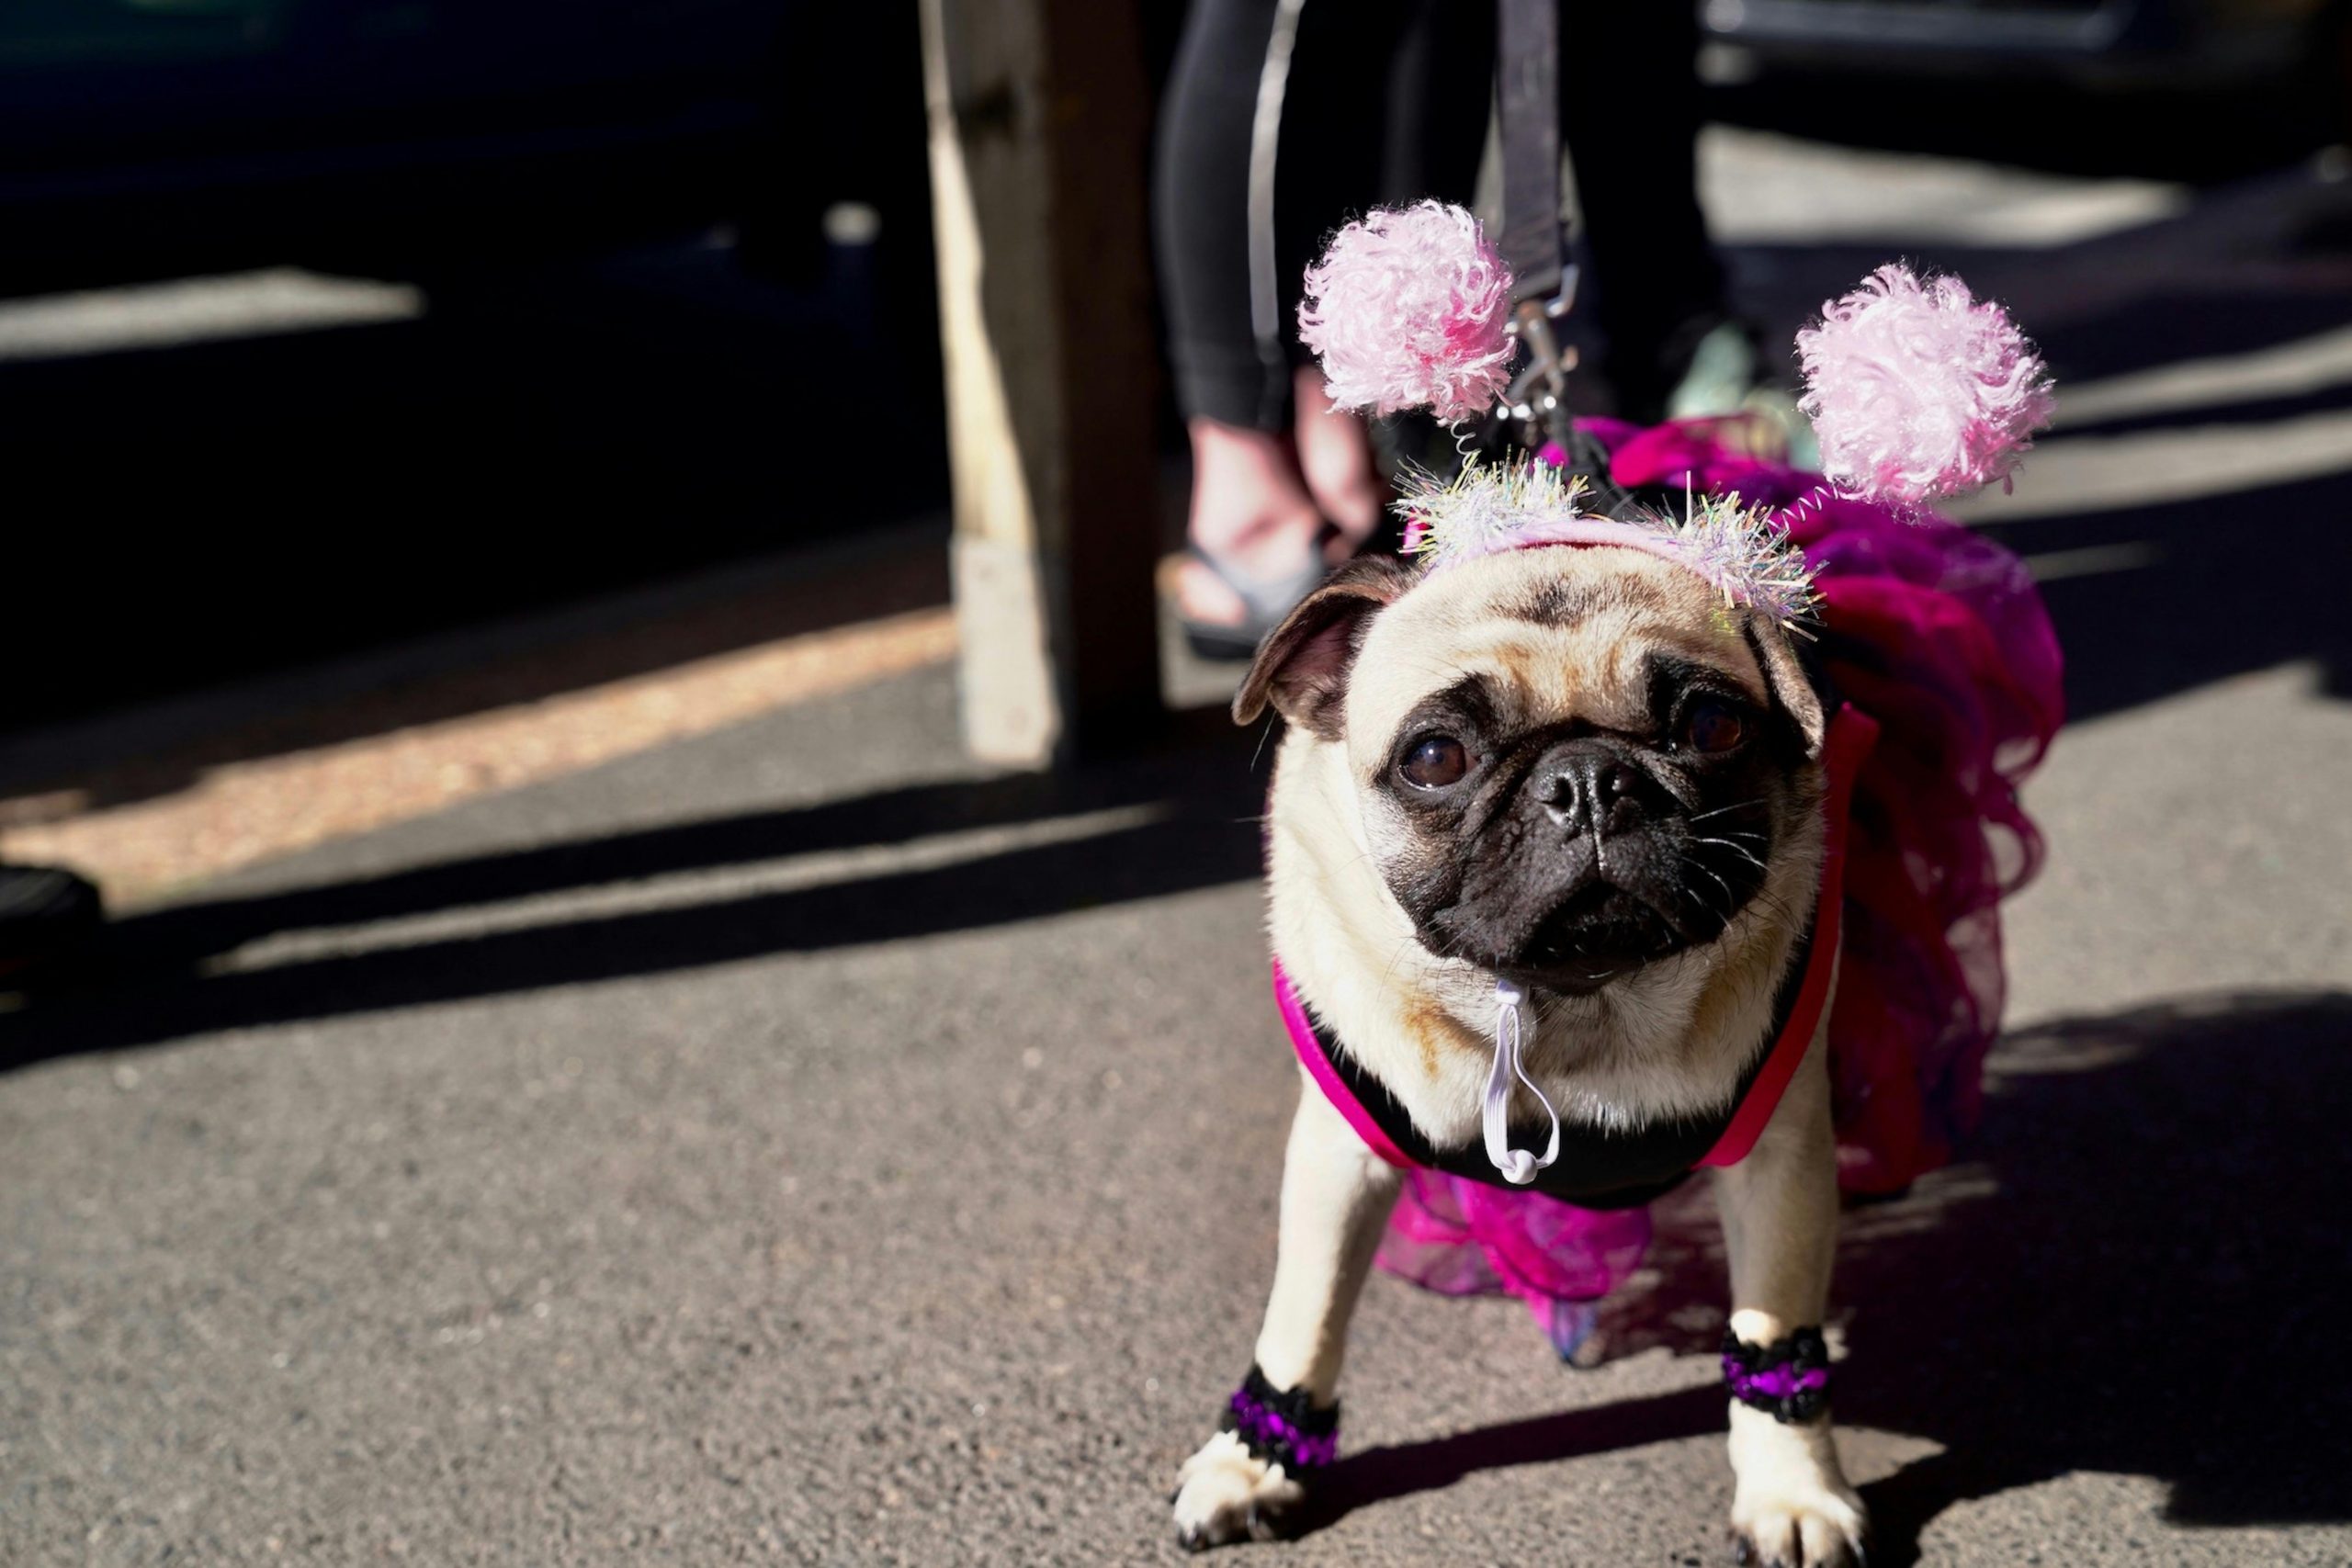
column 1939, row 635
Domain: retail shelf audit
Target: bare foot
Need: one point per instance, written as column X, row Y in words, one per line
column 1335, row 455
column 1250, row 509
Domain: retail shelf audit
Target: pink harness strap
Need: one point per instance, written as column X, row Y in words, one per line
column 1851, row 735
column 1319, row 1067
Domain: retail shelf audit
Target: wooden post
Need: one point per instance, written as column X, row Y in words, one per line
column 1039, row 137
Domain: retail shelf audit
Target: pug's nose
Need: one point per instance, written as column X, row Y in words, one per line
column 1587, row 787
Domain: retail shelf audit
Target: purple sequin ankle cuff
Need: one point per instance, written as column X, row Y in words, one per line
column 1283, row 1426
column 1789, row 1378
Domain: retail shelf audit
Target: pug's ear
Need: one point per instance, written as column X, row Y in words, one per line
column 1792, row 689
column 1302, row 667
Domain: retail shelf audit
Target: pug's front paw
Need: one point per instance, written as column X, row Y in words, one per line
column 1227, row 1493
column 1799, row 1521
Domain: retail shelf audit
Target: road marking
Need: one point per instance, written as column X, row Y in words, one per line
column 1762, row 188
column 2290, row 369
column 2069, row 477
column 198, row 310
column 2094, row 560
column 242, row 812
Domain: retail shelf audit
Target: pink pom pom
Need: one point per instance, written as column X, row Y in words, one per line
column 1407, row 309
column 1920, row 391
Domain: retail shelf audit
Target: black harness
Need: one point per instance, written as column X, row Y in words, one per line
column 1598, row 1168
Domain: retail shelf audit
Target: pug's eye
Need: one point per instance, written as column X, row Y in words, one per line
column 1712, row 726
column 1435, row 761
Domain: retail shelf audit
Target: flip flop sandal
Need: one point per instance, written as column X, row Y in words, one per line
column 1264, row 603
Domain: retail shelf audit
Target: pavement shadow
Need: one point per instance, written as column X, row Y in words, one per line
column 2042, row 123
column 1399, row 1470
column 2174, row 616
column 1192, row 823
column 2149, row 1284
column 2155, row 1287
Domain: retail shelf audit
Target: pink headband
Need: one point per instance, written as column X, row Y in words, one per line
column 1747, row 557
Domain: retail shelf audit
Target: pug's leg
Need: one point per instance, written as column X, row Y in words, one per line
column 1283, row 1422
column 1792, row 1505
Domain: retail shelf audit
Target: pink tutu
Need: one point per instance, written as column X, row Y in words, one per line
column 1939, row 635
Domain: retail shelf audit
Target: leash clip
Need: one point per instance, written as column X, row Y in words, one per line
column 1538, row 394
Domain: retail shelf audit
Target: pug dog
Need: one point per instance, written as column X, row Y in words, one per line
column 1576, row 771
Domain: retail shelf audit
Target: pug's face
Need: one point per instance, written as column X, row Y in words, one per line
column 1569, row 762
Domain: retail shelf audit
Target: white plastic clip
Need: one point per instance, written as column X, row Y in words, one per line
column 1518, row 1166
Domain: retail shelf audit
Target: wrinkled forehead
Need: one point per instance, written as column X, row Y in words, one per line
column 1553, row 633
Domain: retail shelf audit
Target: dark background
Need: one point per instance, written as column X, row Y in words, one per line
column 639, row 354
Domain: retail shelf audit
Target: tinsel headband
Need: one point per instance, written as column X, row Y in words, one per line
column 1740, row 551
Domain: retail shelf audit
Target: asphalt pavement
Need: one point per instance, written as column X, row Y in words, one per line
column 792, row 1144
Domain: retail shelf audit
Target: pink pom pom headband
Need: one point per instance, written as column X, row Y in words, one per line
column 1410, row 309
column 1917, row 390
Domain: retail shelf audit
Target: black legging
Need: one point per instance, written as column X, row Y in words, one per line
column 1385, row 101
